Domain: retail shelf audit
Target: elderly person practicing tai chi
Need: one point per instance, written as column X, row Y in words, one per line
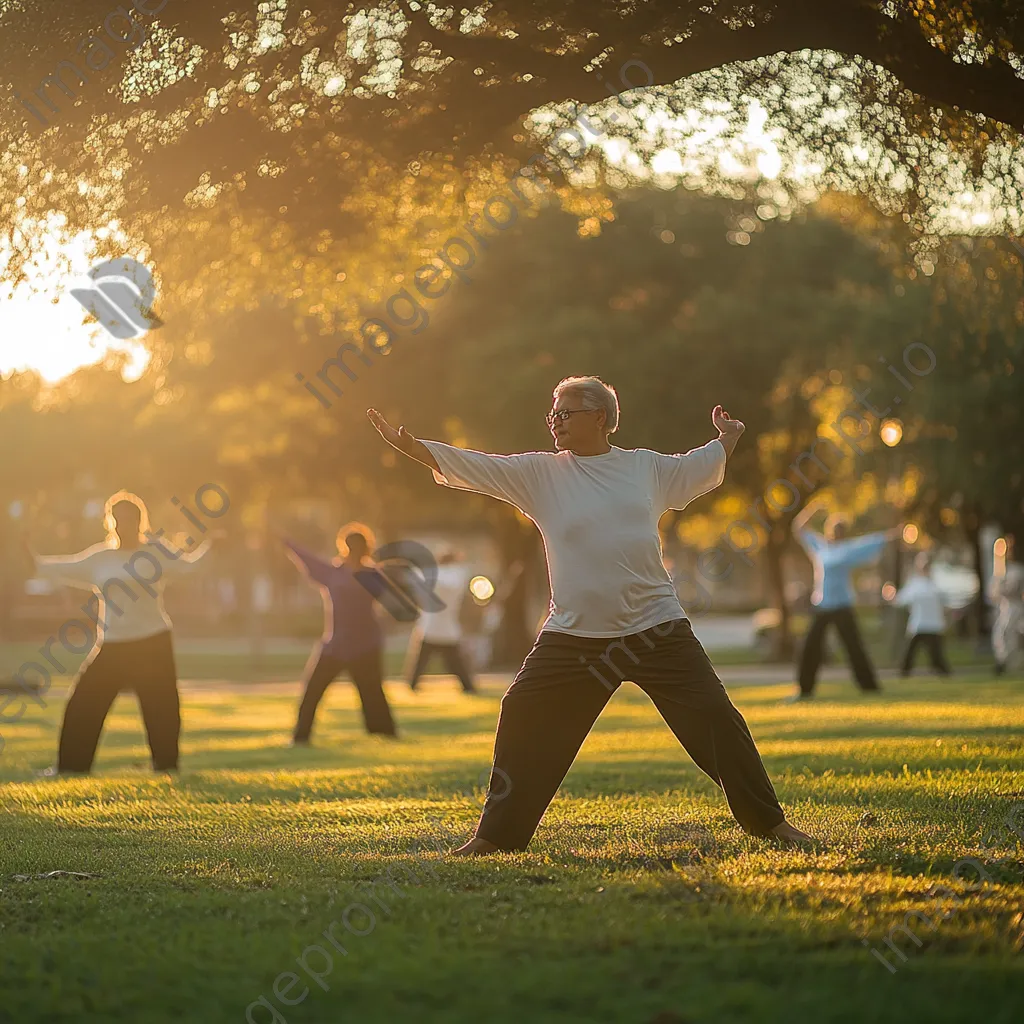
column 597, row 508
column 133, row 648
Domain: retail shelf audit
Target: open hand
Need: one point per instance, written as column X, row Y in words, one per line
column 399, row 438
column 726, row 426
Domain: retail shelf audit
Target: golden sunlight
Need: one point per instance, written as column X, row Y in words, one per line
column 43, row 328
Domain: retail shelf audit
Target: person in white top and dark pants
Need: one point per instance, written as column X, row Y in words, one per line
column 927, row 623
column 614, row 611
column 132, row 649
column 440, row 632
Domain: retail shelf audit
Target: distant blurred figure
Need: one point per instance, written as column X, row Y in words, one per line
column 834, row 556
column 353, row 640
column 441, row 632
column 927, row 623
column 133, row 649
column 1008, row 597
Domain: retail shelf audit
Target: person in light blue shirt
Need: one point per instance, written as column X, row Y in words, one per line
column 834, row 556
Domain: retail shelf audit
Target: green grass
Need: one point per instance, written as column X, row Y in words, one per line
column 271, row 666
column 276, row 666
column 640, row 900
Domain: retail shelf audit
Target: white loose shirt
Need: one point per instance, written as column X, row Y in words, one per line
column 127, row 602
column 598, row 516
column 451, row 586
column 924, row 599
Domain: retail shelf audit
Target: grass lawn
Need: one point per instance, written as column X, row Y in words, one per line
column 198, row 661
column 640, row 901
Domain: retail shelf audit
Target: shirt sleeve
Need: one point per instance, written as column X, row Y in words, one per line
column 908, row 592
column 517, row 479
column 316, row 568
column 682, row 478
column 813, row 543
column 70, row 570
column 182, row 564
column 860, row 550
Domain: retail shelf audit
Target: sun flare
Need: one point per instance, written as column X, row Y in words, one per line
column 42, row 327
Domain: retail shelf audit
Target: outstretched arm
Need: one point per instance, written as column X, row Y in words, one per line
column 198, row 553
column 516, row 479
column 72, row 570
column 403, row 441
column 314, row 567
column 861, row 550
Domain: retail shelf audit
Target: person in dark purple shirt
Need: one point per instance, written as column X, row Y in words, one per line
column 353, row 639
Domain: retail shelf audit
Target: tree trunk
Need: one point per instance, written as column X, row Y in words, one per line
column 782, row 649
column 514, row 636
column 972, row 526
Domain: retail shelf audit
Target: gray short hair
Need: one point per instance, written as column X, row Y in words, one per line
column 594, row 394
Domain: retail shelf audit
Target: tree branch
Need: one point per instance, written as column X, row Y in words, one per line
column 849, row 27
column 993, row 88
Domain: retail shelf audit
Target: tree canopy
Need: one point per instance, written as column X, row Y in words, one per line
column 306, row 123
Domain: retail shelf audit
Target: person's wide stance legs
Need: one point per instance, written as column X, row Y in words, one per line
column 545, row 717
column 156, row 683
column 455, row 662
column 86, row 710
column 937, row 652
column 420, row 663
column 323, row 673
column 368, row 675
column 863, row 671
column 810, row 656
column 679, row 677
column 909, row 654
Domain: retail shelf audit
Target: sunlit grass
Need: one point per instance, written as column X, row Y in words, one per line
column 639, row 901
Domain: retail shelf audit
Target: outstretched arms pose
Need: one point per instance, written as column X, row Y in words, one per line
column 729, row 431
column 867, row 545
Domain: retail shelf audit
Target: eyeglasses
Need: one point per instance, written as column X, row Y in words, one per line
column 563, row 414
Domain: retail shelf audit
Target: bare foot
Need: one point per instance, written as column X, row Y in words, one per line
column 475, row 848
column 790, row 836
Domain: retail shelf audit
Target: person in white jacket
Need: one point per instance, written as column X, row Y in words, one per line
column 1008, row 596
column 132, row 649
column 927, row 624
column 440, row 632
